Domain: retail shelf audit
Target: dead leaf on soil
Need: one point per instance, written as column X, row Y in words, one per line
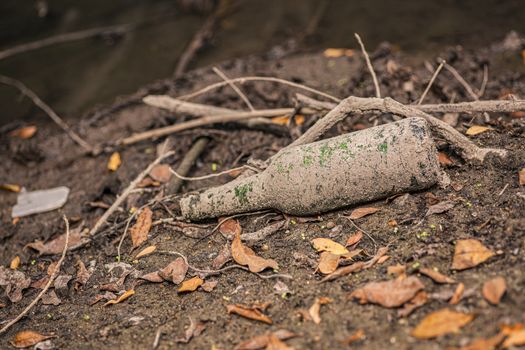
column 470, row 253
column 458, row 294
column 51, row 298
column 83, row 274
column 362, row 212
column 354, row 239
column 441, row 322
column 175, row 271
column 139, row 231
column 314, row 310
column 114, row 161
column 14, row 282
column 105, row 296
column 343, row 271
column 25, row 132
column 275, row 343
column 436, row 276
column 26, row 339
column 193, row 330
column 327, row 245
column 121, row 298
column 328, row 262
column 357, row 336
column 252, row 313
column 338, row 52
column 10, row 187
column 440, row 208
column 381, row 252
column 417, row 301
column 15, row 263
column 494, row 289
column 209, row 286
column 229, row 228
column 396, row 270
column 516, row 338
column 444, row 159
column 161, row 173
column 483, row 344
column 521, row 177
column 146, row 251
column 476, row 130
column 261, row 341
column 222, row 258
column 191, row 285
column 389, row 294
column 245, row 256
column 56, row 246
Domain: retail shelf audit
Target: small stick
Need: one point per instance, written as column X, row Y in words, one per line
column 46, row 287
column 484, row 81
column 185, row 165
column 157, row 338
column 434, row 76
column 209, row 176
column 48, row 110
column 360, row 229
column 102, row 221
column 234, row 87
column 460, row 79
column 63, row 38
column 369, row 64
column 503, row 190
column 126, row 231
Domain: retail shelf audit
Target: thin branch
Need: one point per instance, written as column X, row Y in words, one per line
column 187, row 163
column 102, row 221
column 434, row 76
column 46, row 287
column 460, row 79
column 209, row 176
column 369, row 64
column 48, row 110
column 234, row 87
column 484, row 81
column 63, row 38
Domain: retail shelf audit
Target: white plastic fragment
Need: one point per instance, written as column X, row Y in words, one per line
column 40, row 201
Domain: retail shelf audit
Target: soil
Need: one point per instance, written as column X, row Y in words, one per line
column 491, row 208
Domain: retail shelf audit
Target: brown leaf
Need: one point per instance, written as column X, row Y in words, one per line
column 338, row 52
column 354, row 239
column 152, row 277
column 327, row 245
column 161, row 173
column 83, row 274
column 248, row 312
column 193, row 330
column 396, row 270
column 14, row 282
column 121, row 298
column 25, row 132
column 230, row 228
column 15, row 263
column 458, row 294
column 281, row 120
column 261, row 341
column 105, row 296
column 175, row 271
column 361, row 212
column 56, row 246
column 436, row 276
column 418, row 300
column 516, row 338
column 139, row 231
column 470, row 253
column 209, row 286
column 441, row 322
column 314, row 310
column 389, row 294
column 494, row 289
column 328, row 262
column 245, row 256
column 26, row 339
column 10, row 187
column 444, row 159
column 441, row 207
column 275, row 343
column 483, row 344
column 50, row 298
column 146, row 251
column 476, row 130
column 343, row 271
column 357, row 336
column 521, row 177
column 114, row 161
column 222, row 258
column 190, row 285
column 376, row 258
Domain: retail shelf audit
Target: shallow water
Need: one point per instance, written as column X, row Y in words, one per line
column 72, row 77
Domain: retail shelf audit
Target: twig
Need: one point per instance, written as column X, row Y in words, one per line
column 503, row 190
column 186, row 164
column 102, row 221
column 63, row 38
column 46, row 287
column 460, row 79
column 234, row 87
column 48, row 110
column 360, row 229
column 242, row 80
column 434, row 76
column 484, row 81
column 369, row 64
column 128, row 222
column 209, row 176
column 157, row 338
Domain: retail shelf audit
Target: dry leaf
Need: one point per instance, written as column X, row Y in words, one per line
column 436, row 276
column 343, row 271
column 121, row 298
column 229, row 228
column 389, row 294
column 83, row 274
column 314, row 310
column 275, row 343
column 261, row 341
column 299, row 119
column 361, row 212
column 327, row 245
column 114, row 161
column 516, row 338
column 396, row 270
column 376, row 258
column 209, row 286
column 444, row 159
column 458, row 294
column 418, row 300
column 494, row 289
column 193, row 330
column 354, row 239
column 146, row 251
column 357, row 336
column 245, row 256
column 521, row 177
column 190, row 285
column 175, row 271
column 222, row 258
column 26, row 339
column 248, row 312
column 10, row 187
column 470, row 253
column 15, row 263
column 14, row 282
column 161, row 173
column 338, row 52
column 51, row 298
column 153, row 277
column 281, row 120
column 328, row 262
column 441, row 207
column 56, row 246
column 139, row 231
column 25, row 132
column 483, row 344
column 477, row 129
column 441, row 322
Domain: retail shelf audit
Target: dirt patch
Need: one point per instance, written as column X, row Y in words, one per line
column 489, row 207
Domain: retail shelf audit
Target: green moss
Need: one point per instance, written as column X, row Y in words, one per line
column 325, row 155
column 241, row 192
column 308, row 160
column 344, row 147
column 383, row 147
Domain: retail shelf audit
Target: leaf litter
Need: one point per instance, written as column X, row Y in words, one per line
column 390, row 294
column 246, row 256
column 254, row 312
column 470, row 253
column 441, row 322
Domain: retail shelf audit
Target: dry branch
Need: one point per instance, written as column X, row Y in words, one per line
column 234, row 87
column 369, row 65
column 187, row 162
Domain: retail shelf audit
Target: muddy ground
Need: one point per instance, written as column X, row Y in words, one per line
column 490, row 208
